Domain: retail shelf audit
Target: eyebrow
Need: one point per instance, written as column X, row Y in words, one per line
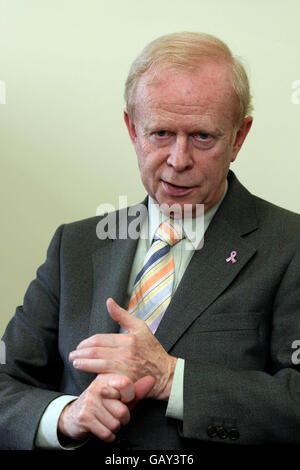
column 197, row 129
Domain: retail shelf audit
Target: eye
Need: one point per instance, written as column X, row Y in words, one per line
column 161, row 133
column 202, row 136
column 203, row 140
column 160, row 137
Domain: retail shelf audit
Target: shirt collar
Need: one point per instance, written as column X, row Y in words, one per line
column 156, row 217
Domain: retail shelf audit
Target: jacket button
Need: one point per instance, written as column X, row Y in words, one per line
column 211, row 431
column 233, row 434
column 222, row 432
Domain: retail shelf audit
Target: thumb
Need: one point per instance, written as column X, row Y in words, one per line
column 121, row 316
column 142, row 388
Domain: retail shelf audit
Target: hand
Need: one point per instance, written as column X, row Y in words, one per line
column 141, row 389
column 99, row 410
column 136, row 354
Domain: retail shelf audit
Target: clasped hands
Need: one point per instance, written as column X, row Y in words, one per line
column 131, row 367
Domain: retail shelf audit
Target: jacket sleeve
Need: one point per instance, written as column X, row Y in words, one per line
column 247, row 406
column 31, row 376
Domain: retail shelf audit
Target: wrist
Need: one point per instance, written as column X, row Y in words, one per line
column 61, row 425
column 66, row 429
column 166, row 390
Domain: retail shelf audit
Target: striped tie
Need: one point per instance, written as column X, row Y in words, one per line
column 153, row 285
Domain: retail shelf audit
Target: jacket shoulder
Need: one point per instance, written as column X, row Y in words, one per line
column 266, row 210
column 81, row 233
column 279, row 222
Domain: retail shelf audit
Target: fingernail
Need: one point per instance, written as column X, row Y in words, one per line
column 76, row 363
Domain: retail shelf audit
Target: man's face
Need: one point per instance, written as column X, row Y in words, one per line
column 183, row 133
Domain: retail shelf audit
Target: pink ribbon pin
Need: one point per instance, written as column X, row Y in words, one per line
column 232, row 257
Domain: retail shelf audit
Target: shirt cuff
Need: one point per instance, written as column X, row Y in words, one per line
column 46, row 437
column 175, row 404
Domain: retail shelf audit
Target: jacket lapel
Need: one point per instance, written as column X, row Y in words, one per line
column 111, row 267
column 208, row 273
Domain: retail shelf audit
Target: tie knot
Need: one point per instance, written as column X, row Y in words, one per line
column 169, row 232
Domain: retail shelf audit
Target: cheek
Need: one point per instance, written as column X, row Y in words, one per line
column 211, row 167
column 218, row 158
column 205, row 162
column 149, row 159
column 141, row 155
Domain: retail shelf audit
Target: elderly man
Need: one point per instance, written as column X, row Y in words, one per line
column 205, row 352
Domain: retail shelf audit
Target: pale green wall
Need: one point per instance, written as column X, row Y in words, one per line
column 63, row 146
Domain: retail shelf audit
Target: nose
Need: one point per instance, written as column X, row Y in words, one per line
column 180, row 157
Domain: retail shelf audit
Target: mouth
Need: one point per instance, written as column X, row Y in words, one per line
column 175, row 190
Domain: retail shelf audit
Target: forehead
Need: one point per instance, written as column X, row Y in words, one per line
column 202, row 93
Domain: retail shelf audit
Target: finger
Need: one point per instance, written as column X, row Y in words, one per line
column 92, row 410
column 104, row 340
column 121, row 383
column 118, row 410
column 104, row 424
column 110, row 392
column 108, row 340
column 143, row 386
column 100, row 366
column 101, row 431
column 120, row 315
column 124, row 385
column 94, row 353
column 115, row 386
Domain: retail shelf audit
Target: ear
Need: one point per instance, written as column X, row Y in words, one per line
column 130, row 126
column 241, row 136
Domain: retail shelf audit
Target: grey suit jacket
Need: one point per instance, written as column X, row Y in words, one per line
column 233, row 323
